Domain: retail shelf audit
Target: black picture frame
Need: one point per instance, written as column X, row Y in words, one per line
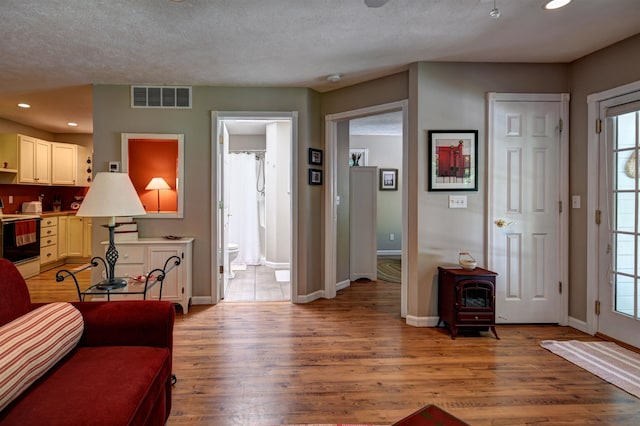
column 453, row 160
column 315, row 177
column 315, row 156
column 388, row 180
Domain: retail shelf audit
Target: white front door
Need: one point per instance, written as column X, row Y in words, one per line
column 619, row 229
column 524, row 209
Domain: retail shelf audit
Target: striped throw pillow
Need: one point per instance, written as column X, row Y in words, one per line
column 32, row 344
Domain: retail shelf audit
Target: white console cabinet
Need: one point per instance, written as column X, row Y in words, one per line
column 139, row 257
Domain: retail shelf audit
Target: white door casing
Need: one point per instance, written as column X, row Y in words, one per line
column 217, row 189
column 618, row 202
column 527, row 231
column 331, row 195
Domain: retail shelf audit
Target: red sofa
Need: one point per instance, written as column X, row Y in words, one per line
column 118, row 374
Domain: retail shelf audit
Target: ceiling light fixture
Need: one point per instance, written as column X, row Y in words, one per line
column 72, row 124
column 494, row 13
column 556, row 4
column 23, row 105
column 334, row 78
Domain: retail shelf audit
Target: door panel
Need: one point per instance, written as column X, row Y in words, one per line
column 524, row 215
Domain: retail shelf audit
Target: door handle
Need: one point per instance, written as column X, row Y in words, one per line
column 501, row 223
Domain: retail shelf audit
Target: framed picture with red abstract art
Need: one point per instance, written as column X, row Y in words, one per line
column 453, row 160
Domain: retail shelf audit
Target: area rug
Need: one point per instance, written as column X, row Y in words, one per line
column 616, row 365
column 389, row 269
column 429, row 415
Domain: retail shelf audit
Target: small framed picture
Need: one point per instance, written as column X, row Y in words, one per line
column 114, row 166
column 315, row 156
column 315, row 177
column 358, row 157
column 388, row 179
column 453, row 160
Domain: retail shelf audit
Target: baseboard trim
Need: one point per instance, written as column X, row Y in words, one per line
column 578, row 325
column 310, row 297
column 422, row 321
column 389, row 252
column 277, row 265
column 343, row 284
column 201, row 300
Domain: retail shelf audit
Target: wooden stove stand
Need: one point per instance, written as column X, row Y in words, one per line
column 467, row 298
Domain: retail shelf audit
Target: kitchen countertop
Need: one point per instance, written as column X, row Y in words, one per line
column 60, row 213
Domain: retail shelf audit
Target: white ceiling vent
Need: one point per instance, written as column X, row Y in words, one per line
column 160, row 97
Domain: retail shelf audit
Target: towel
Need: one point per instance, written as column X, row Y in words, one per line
column 25, row 232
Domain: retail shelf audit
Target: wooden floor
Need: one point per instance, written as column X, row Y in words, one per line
column 354, row 360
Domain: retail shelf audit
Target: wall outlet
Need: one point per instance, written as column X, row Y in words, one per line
column 392, row 237
column 457, row 201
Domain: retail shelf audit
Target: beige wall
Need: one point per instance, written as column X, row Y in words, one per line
column 606, row 69
column 113, row 116
column 453, row 96
column 441, row 96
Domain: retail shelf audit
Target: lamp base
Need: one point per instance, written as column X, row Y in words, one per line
column 112, row 284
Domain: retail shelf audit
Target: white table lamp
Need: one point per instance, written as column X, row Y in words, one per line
column 111, row 195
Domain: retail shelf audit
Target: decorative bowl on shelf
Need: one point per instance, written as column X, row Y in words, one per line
column 467, row 261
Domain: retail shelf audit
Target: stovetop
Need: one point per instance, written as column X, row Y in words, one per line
column 14, row 217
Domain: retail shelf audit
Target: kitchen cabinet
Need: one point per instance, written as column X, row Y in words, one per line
column 34, row 164
column 31, row 161
column 79, row 241
column 63, row 236
column 48, row 240
column 139, row 257
column 64, row 163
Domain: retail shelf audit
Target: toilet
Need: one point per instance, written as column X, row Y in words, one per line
column 232, row 249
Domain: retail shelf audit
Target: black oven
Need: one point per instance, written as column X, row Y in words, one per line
column 20, row 238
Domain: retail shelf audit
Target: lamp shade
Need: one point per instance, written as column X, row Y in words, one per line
column 157, row 183
column 110, row 195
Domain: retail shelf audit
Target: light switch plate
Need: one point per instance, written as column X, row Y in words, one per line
column 457, row 201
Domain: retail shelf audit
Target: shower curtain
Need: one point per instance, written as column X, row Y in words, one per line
column 243, row 207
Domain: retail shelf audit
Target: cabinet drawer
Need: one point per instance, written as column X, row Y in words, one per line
column 48, row 254
column 48, row 230
column 49, row 240
column 49, row 221
column 475, row 317
column 129, row 270
column 130, row 254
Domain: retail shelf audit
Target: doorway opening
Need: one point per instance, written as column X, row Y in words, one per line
column 254, row 215
column 338, row 157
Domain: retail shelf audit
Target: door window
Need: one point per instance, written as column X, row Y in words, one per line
column 622, row 132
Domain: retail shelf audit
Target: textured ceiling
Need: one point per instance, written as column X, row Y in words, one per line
column 52, row 51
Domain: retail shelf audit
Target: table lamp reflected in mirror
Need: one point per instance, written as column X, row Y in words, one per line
column 157, row 184
column 111, row 195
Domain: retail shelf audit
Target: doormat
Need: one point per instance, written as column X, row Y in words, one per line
column 283, row 275
column 239, row 267
column 616, row 365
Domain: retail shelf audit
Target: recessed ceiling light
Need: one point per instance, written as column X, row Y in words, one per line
column 556, row 4
column 334, row 78
column 23, row 105
column 72, row 124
